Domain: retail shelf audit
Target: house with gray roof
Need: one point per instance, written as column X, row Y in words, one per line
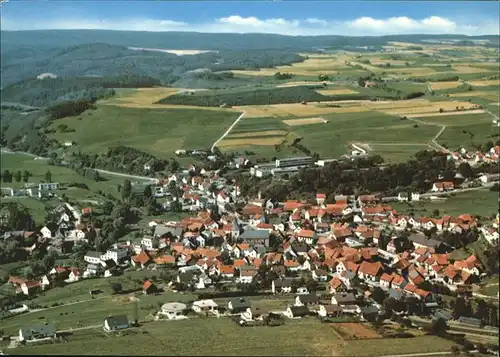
column 255, row 237
column 162, row 231
column 37, row 332
column 114, row 323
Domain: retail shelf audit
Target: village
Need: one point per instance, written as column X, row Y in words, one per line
column 343, row 259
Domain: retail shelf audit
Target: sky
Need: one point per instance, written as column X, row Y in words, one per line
column 351, row 18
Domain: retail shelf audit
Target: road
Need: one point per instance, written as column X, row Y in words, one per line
column 227, row 131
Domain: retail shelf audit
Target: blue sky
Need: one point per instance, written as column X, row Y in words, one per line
column 284, row 17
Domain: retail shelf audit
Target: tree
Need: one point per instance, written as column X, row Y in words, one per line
column 26, row 176
column 18, row 175
column 115, row 288
column 482, row 310
column 174, row 166
column 438, row 327
column 378, row 295
column 465, row 170
column 126, row 189
column 7, row 176
column 48, row 176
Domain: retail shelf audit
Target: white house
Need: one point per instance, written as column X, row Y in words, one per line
column 116, row 254
column 206, row 306
column 150, row 243
column 415, row 196
column 247, row 275
column 173, row 310
column 92, row 257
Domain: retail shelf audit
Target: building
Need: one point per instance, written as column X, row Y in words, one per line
column 256, row 237
column 48, row 186
column 294, row 161
column 36, row 332
column 92, row 257
column 205, row 306
column 46, row 75
column 114, row 323
column 116, row 254
column 173, row 310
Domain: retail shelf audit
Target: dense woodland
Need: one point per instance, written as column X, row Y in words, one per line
column 247, row 97
column 209, row 41
column 105, row 60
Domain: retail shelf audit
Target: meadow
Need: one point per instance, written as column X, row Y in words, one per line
column 157, row 131
column 209, row 336
column 483, row 203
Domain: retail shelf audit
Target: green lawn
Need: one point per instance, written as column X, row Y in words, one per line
column 455, row 137
column 62, row 175
column 483, row 203
column 35, row 207
column 212, row 336
column 156, row 131
column 460, row 120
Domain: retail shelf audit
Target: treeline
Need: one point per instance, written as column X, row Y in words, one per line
column 42, row 92
column 121, row 159
column 255, row 97
column 437, row 79
column 360, row 177
column 69, row 108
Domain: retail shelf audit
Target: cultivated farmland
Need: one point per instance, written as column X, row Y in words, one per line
column 305, row 121
column 156, row 131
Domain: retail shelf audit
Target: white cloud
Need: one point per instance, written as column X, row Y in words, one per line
column 403, row 24
column 239, row 24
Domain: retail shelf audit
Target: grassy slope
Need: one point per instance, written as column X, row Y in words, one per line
column 211, row 336
column 483, row 203
column 62, row 175
column 159, row 132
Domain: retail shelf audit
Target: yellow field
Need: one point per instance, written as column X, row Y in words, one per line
column 257, row 133
column 491, row 96
column 338, row 91
column 146, row 97
column 429, row 108
column 305, row 121
column 285, row 110
column 494, row 82
column 444, row 85
column 467, row 69
column 437, row 114
column 226, row 143
column 311, row 66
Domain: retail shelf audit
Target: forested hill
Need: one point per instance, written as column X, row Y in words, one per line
column 206, row 41
column 20, row 62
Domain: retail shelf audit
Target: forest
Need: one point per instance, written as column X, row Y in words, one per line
column 209, row 41
column 105, row 60
column 247, row 97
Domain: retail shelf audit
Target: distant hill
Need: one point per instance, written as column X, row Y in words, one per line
column 207, row 41
column 23, row 61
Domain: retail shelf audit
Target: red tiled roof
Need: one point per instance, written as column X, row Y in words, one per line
column 370, row 268
column 165, row 259
column 147, row 284
column 306, row 233
column 386, row 277
column 30, row 284
column 292, row 205
column 335, row 283
column 142, row 258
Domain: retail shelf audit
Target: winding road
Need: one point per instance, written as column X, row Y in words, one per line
column 227, row 131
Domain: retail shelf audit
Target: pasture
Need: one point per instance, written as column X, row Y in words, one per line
column 297, row 110
column 157, row 131
column 336, row 91
column 305, row 337
column 486, row 83
column 483, row 203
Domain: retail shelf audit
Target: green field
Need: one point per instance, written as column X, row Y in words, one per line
column 157, row 131
column 483, row 203
column 212, row 336
column 331, row 140
column 459, row 120
column 468, row 136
